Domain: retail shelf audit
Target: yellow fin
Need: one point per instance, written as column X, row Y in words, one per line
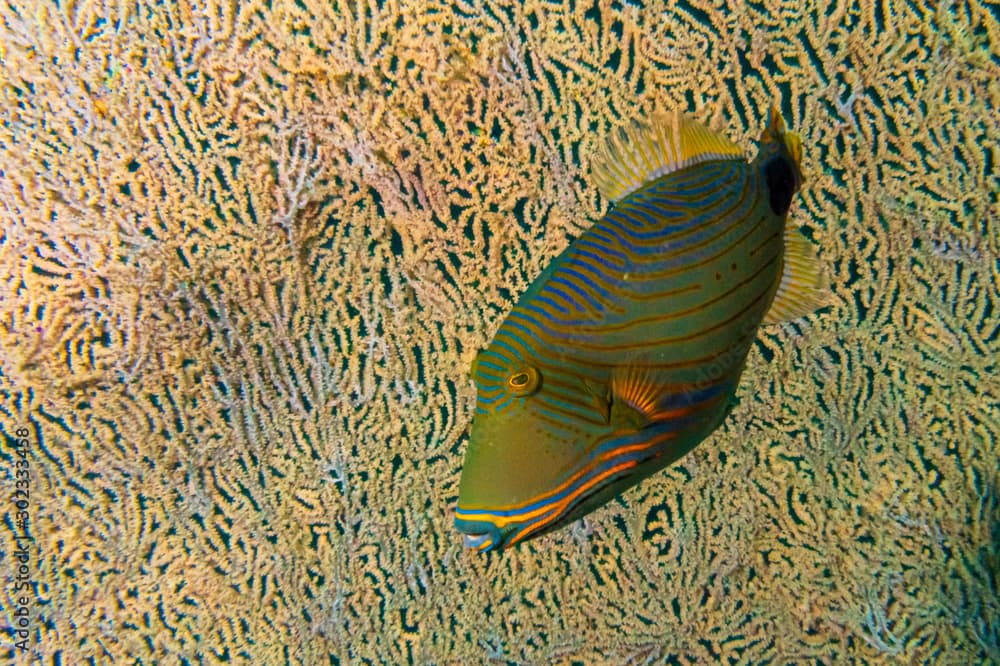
column 802, row 288
column 633, row 397
column 642, row 152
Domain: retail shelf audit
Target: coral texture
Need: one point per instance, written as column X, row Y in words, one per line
column 250, row 248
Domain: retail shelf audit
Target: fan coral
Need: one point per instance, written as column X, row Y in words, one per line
column 250, row 249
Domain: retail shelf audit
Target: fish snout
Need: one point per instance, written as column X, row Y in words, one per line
column 480, row 535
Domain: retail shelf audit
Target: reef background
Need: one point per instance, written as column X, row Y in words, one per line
column 250, row 248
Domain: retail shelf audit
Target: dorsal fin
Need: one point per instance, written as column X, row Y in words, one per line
column 641, row 152
column 802, row 288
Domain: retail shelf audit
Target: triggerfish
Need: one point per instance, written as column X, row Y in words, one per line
column 627, row 350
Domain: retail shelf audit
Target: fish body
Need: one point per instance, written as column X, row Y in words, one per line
column 627, row 350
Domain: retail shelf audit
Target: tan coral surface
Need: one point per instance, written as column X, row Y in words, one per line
column 249, row 249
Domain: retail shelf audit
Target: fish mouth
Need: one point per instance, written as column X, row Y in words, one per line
column 479, row 535
column 477, row 541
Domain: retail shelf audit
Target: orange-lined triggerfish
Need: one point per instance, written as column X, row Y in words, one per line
column 627, row 350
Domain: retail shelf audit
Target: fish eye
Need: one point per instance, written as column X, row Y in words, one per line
column 524, row 381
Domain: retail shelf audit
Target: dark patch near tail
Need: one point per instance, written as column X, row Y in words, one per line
column 781, row 185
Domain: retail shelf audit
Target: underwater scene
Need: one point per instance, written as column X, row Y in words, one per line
column 290, row 370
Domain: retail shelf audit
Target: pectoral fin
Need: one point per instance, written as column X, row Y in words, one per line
column 616, row 409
